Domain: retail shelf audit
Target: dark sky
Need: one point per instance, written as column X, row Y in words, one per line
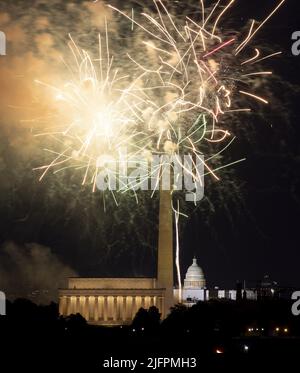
column 244, row 240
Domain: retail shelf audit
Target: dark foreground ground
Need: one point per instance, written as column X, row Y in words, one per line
column 216, row 335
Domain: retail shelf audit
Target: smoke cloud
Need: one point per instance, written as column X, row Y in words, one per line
column 31, row 271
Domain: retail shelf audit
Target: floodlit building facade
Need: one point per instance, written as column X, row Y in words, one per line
column 110, row 301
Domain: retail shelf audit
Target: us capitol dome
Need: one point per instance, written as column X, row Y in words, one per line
column 194, row 277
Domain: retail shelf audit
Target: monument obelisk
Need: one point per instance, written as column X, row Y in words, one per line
column 165, row 277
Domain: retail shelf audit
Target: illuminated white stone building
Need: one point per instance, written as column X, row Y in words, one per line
column 110, row 301
column 194, row 285
column 194, row 288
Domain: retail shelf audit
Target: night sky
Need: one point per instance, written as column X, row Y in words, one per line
column 56, row 228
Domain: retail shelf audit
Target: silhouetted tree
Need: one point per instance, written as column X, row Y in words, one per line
column 74, row 322
column 147, row 320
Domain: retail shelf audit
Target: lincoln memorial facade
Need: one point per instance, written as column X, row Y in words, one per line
column 110, row 301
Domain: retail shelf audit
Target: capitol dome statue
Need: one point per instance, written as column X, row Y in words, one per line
column 194, row 277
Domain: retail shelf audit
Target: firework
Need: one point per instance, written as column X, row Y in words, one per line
column 172, row 104
column 192, row 78
column 95, row 114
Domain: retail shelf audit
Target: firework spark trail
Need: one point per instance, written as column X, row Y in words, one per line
column 177, row 259
column 252, row 34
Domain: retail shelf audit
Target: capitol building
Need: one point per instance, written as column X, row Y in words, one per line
column 195, row 290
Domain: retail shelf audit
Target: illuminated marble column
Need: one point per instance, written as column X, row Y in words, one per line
column 164, row 309
column 76, row 305
column 160, row 306
column 86, row 308
column 73, row 305
column 137, row 303
column 105, row 307
column 128, row 308
column 151, row 301
column 100, row 308
column 68, row 305
column 143, row 302
column 119, row 307
column 147, row 302
column 123, row 308
column 81, row 306
column 133, row 307
column 96, row 310
column 63, row 305
column 72, row 300
column 115, row 308
column 154, row 299
column 91, row 308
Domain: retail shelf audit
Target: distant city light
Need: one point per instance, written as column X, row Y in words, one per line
column 219, row 351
